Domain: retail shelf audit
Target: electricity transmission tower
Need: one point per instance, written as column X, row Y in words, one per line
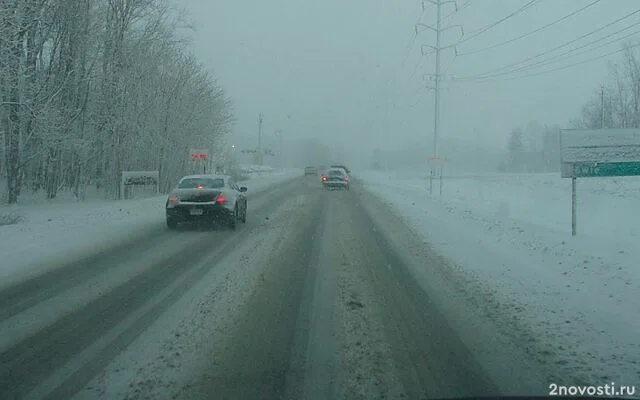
column 437, row 49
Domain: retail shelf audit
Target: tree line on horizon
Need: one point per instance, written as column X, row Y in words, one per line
column 614, row 104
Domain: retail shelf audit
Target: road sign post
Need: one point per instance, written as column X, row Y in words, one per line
column 200, row 156
column 131, row 179
column 597, row 153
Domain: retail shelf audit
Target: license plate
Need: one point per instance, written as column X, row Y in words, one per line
column 196, row 211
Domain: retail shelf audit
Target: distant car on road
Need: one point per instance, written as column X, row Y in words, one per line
column 310, row 171
column 335, row 178
column 213, row 198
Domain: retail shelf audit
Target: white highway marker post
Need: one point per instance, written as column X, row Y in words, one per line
column 595, row 153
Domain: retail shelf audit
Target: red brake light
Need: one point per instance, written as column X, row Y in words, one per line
column 200, row 187
column 221, row 200
column 172, row 201
column 324, row 178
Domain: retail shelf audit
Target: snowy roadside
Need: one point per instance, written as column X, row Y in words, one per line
column 511, row 236
column 52, row 233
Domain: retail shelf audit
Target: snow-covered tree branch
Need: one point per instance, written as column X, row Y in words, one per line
column 89, row 88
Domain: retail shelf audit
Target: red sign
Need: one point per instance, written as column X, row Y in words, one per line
column 199, row 154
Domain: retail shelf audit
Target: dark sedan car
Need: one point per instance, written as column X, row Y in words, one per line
column 214, row 198
column 335, row 178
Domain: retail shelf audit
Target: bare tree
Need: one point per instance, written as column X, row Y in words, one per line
column 617, row 103
column 92, row 87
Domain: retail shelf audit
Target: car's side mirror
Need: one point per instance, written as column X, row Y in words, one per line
column 243, row 189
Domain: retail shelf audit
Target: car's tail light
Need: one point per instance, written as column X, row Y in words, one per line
column 324, row 178
column 172, row 201
column 221, row 199
column 200, row 187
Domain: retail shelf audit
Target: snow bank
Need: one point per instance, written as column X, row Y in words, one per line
column 251, row 169
column 48, row 234
column 511, row 234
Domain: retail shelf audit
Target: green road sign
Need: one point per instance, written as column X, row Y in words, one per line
column 587, row 153
column 601, row 169
column 590, row 153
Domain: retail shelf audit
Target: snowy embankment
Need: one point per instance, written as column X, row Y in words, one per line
column 51, row 233
column 510, row 234
column 256, row 170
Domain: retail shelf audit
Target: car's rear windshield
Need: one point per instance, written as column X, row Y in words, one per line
column 336, row 172
column 203, row 183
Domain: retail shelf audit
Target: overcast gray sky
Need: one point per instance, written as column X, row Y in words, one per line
column 351, row 71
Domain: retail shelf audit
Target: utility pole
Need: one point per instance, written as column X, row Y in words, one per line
column 260, row 117
column 602, row 106
column 279, row 131
column 436, row 118
column 436, row 162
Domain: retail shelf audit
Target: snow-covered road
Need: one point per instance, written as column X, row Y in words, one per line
column 55, row 233
column 322, row 294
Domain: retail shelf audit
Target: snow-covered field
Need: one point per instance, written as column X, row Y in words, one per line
column 53, row 232
column 510, row 234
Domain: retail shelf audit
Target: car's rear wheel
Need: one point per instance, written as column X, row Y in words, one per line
column 172, row 223
column 233, row 218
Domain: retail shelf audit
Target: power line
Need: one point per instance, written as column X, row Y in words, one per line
column 560, row 58
column 448, row 67
column 415, row 94
column 551, row 70
column 565, row 55
column 516, row 64
column 498, row 22
column 413, row 37
column 416, row 67
column 531, row 32
column 451, row 14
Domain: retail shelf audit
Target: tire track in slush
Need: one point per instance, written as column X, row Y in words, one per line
column 28, row 363
column 286, row 341
column 23, row 295
column 315, row 350
column 431, row 359
column 26, row 294
column 267, row 355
